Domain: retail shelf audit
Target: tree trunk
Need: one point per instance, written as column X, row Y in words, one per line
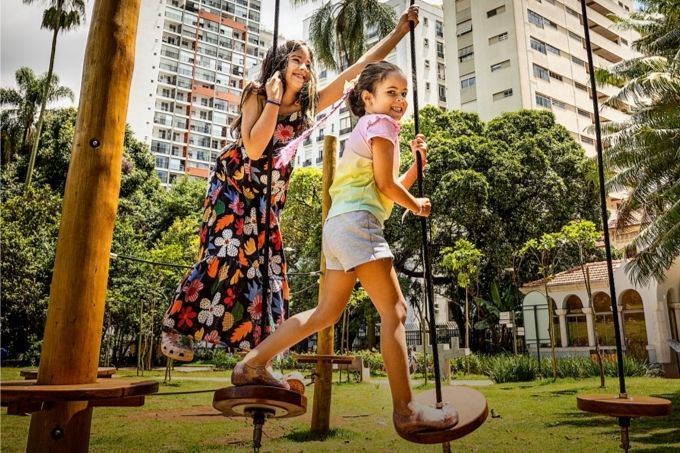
column 70, row 352
column 43, row 105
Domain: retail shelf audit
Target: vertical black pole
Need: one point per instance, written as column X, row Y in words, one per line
column 429, row 288
column 603, row 200
column 266, row 297
column 538, row 339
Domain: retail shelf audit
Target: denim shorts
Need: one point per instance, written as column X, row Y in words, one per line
column 352, row 239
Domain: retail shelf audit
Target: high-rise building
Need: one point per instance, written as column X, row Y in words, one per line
column 504, row 55
column 191, row 67
column 431, row 72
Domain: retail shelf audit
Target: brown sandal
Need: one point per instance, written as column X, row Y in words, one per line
column 245, row 374
column 176, row 346
column 425, row 418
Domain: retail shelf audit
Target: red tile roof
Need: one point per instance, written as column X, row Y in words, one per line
column 597, row 270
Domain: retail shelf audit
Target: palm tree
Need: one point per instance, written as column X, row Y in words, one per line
column 60, row 15
column 644, row 150
column 338, row 29
column 20, row 105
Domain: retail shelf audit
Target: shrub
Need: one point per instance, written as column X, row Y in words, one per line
column 223, row 361
column 374, row 360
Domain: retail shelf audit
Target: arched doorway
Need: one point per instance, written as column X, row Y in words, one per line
column 577, row 330
column 604, row 324
column 634, row 326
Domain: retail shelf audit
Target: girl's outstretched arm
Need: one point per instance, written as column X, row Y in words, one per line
column 333, row 91
column 388, row 184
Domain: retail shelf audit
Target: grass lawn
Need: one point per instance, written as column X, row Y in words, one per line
column 538, row 416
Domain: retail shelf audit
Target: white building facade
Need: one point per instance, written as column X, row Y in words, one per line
column 191, row 66
column 649, row 315
column 506, row 55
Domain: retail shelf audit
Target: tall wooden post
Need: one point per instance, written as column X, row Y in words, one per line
column 70, row 353
column 324, row 345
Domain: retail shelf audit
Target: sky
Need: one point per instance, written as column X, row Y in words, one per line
column 24, row 43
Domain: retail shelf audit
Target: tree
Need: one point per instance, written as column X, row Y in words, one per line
column 337, row 29
column 546, row 252
column 496, row 184
column 643, row 151
column 463, row 260
column 61, row 15
column 29, row 223
column 20, row 105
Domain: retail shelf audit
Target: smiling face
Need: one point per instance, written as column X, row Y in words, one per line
column 298, row 68
column 388, row 96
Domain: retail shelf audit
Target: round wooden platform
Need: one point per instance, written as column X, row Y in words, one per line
column 102, row 372
column 239, row 401
column 631, row 406
column 23, row 397
column 472, row 412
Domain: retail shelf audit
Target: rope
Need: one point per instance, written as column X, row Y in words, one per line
column 266, row 297
column 427, row 271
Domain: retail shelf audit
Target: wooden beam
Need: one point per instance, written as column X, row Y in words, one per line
column 321, row 410
column 70, row 353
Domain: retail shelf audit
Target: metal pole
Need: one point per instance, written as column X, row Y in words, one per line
column 603, row 200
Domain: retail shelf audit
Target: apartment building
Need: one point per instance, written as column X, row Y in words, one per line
column 431, row 72
column 506, row 55
column 191, row 66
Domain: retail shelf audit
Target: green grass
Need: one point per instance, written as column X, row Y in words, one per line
column 538, row 416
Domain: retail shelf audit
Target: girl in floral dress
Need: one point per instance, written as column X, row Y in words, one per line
column 220, row 300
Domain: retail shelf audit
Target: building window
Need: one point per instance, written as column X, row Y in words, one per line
column 577, row 331
column 463, row 27
column 580, row 86
column 439, row 28
column 465, row 54
column 543, row 101
column 555, row 76
column 440, row 49
column 442, row 92
column 426, row 42
column 553, row 50
column 498, row 38
column 501, row 65
column 575, row 36
column 467, row 82
column 578, row 61
column 559, row 104
column 427, row 64
column 345, row 125
column 495, row 11
column 425, row 21
column 441, row 71
column 535, row 19
column 538, row 45
column 584, row 113
column 587, row 140
column 502, row 94
column 541, row 73
column 427, row 86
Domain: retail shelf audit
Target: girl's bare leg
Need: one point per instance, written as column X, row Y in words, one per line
column 380, row 282
column 338, row 287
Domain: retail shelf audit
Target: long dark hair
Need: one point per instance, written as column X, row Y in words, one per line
column 372, row 74
column 278, row 61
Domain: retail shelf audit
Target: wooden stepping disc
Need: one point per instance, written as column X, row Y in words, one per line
column 472, row 412
column 631, row 406
column 238, row 401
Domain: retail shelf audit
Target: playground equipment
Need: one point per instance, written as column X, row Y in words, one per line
column 623, row 406
column 67, row 388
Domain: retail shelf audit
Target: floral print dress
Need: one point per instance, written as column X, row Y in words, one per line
column 220, row 300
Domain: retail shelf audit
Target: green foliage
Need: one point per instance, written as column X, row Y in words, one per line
column 223, row 360
column 28, row 230
column 337, row 29
column 643, row 151
column 374, row 360
column 462, row 260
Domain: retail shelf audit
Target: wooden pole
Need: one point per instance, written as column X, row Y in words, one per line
column 321, row 411
column 75, row 315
